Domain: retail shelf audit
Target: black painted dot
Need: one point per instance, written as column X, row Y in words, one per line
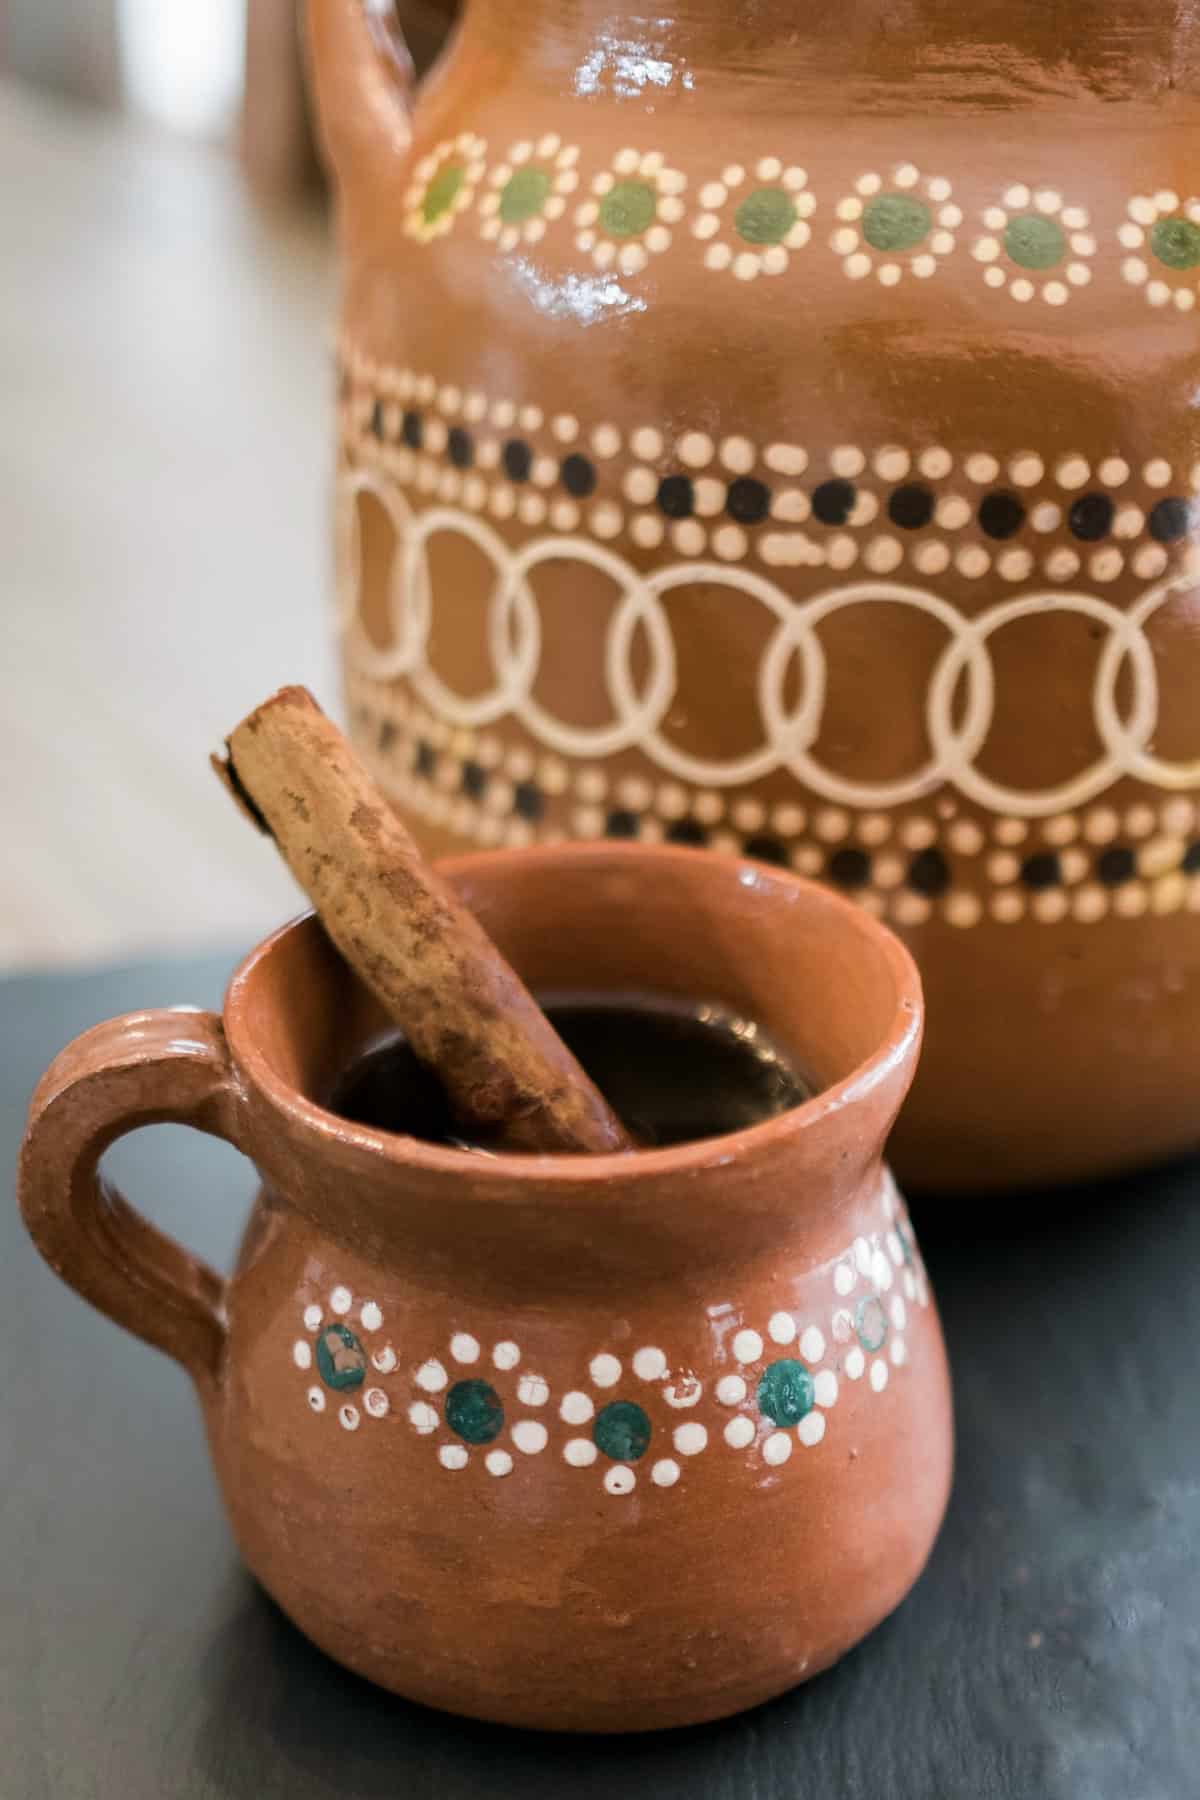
column 928, row 874
column 1191, row 859
column 833, row 502
column 687, row 831
column 1091, row 517
column 748, row 501
column 412, row 430
column 1001, row 515
column 518, row 460
column 676, row 496
column 622, row 824
column 849, row 867
column 1169, row 521
column 911, row 508
column 424, row 758
column 766, row 849
column 579, row 477
column 459, row 447
column 378, row 429
column 387, row 734
column 1116, row 865
column 474, row 780
column 528, row 800
column 1042, row 870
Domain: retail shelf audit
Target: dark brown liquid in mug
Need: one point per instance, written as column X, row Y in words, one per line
column 672, row 1074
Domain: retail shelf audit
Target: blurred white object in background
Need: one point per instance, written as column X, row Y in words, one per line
column 182, row 61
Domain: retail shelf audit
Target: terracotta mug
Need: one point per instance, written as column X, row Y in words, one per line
column 598, row 1443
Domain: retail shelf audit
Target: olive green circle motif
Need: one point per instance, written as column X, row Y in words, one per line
column 895, row 222
column 622, row 1431
column 871, row 1323
column 442, row 192
column 1033, row 242
column 1176, row 242
column 341, row 1360
column 785, row 1392
column 474, row 1412
column 765, row 216
column 524, row 195
column 628, row 208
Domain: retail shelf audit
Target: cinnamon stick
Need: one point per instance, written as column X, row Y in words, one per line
column 509, row 1077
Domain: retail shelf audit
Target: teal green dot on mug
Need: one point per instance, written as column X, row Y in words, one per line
column 628, row 208
column 523, row 195
column 341, row 1360
column 785, row 1393
column 622, row 1431
column 871, row 1323
column 474, row 1412
column 765, row 216
column 442, row 192
column 895, row 222
column 1176, row 242
column 1033, row 242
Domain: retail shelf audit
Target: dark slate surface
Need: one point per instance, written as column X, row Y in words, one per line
column 1051, row 1651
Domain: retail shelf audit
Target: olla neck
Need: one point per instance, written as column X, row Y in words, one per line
column 993, row 55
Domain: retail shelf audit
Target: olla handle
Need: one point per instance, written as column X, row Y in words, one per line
column 147, row 1068
column 362, row 77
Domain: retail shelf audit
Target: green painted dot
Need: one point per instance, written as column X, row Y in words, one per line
column 785, row 1392
column 765, row 216
column 341, row 1361
column 1176, row 242
column 628, row 208
column 871, row 1323
column 524, row 195
column 622, row 1431
column 440, row 195
column 1033, row 242
column 474, row 1412
column 895, row 222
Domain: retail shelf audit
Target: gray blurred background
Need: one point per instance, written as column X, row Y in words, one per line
column 166, row 319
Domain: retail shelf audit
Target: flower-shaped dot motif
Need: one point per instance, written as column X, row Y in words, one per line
column 789, row 1395
column 750, row 221
column 888, row 229
column 1163, row 231
column 633, row 207
column 528, row 190
column 473, row 1408
column 613, row 1425
column 443, row 185
column 1034, row 243
column 335, row 1352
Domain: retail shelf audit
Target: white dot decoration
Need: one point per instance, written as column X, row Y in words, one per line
column 376, row 1402
column 384, row 1360
column 690, row 1439
column 341, row 1300
column 533, row 1390
column 530, row 1436
column 747, row 1346
column 464, row 1348
column 781, row 1328
column 316, row 1399
column 349, row 1417
column 605, row 1370
column 825, row 1387
column 576, row 1408
column 879, row 1374
column 649, row 1363
column 843, row 1278
column 506, row 1355
column 1164, row 230
column 812, row 1344
column 620, row 1480
column 777, row 1448
column 312, row 1318
column 731, row 1390
column 302, row 1354
column 371, row 1316
column 665, row 1472
column 854, row 1364
column 453, row 1456
column 580, row 1452
column 498, row 1462
column 432, row 1376
column 631, row 211
column 811, row 1429
column 739, row 1432
column 422, row 1417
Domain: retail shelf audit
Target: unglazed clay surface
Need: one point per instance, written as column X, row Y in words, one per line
column 605, row 1442
column 774, row 436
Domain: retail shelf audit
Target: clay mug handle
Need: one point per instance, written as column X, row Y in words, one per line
column 362, row 78
column 148, row 1068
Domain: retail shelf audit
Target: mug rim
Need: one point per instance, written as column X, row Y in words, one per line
column 899, row 1045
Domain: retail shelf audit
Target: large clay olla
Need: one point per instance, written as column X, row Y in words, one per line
column 587, row 1442
column 778, row 438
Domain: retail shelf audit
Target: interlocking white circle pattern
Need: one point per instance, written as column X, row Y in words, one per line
column 514, row 638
